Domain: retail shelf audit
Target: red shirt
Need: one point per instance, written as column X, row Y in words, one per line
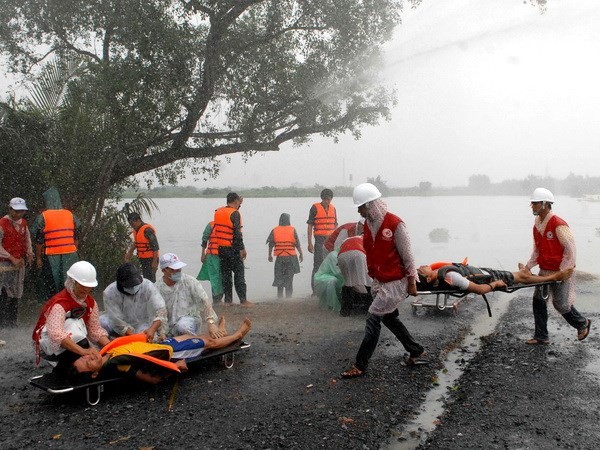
column 550, row 250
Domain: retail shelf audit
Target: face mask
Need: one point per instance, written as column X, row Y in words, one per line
column 176, row 276
column 132, row 290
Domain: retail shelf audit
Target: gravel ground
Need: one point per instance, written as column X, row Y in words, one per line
column 515, row 396
column 285, row 391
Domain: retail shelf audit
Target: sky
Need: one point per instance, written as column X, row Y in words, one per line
column 489, row 87
column 483, row 87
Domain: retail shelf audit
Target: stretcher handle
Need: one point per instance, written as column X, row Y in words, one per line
column 487, row 304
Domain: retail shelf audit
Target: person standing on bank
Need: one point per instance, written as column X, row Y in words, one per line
column 146, row 244
column 322, row 221
column 227, row 233
column 211, row 266
column 55, row 233
column 15, row 252
column 392, row 267
column 553, row 250
column 284, row 240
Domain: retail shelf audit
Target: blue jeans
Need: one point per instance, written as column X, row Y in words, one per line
column 372, row 331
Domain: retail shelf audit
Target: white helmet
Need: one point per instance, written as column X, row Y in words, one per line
column 542, row 195
column 364, row 193
column 84, row 273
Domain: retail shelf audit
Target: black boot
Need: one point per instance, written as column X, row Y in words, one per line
column 3, row 308
column 12, row 312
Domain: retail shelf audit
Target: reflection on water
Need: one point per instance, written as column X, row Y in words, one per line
column 491, row 231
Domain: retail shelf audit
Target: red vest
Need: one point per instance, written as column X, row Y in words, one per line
column 142, row 244
column 383, row 259
column 550, row 250
column 13, row 241
column 64, row 299
column 324, row 222
column 59, row 232
column 352, row 243
column 350, row 229
column 285, row 242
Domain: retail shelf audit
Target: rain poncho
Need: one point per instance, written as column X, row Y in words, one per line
column 329, row 282
column 186, row 300
column 136, row 311
column 211, row 267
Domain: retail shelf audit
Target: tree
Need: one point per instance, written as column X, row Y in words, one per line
column 163, row 85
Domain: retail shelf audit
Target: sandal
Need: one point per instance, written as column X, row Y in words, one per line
column 415, row 360
column 583, row 333
column 354, row 372
column 535, row 341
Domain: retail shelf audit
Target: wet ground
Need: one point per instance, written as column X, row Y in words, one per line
column 285, row 391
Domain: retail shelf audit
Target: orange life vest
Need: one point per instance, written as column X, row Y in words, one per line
column 140, row 337
column 222, row 234
column 285, row 241
column 142, row 244
column 13, row 241
column 324, row 221
column 59, row 232
column 213, row 247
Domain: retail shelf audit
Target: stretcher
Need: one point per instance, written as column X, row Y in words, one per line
column 451, row 298
column 54, row 384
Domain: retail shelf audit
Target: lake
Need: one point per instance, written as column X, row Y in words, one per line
column 491, row 231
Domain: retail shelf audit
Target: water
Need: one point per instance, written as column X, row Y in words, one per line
column 491, row 231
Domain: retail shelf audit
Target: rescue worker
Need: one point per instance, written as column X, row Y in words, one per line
column 322, row 221
column 227, row 234
column 146, row 245
column 284, row 243
column 553, row 250
column 55, row 233
column 188, row 305
column 392, row 267
column 211, row 266
column 352, row 261
column 15, row 253
column 134, row 305
column 68, row 323
column 334, row 240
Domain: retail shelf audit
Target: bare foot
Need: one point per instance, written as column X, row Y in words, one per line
column 564, row 274
column 182, row 365
column 244, row 328
column 247, row 304
column 524, row 269
column 222, row 325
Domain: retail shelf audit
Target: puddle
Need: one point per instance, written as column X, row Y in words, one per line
column 417, row 430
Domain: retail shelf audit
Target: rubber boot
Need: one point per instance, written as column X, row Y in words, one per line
column 12, row 312
column 3, row 309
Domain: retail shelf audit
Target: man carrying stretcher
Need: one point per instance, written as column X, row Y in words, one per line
column 479, row 280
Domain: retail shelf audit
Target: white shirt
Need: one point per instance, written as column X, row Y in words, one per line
column 132, row 311
column 188, row 298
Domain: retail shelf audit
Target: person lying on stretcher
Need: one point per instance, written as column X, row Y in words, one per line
column 479, row 280
column 133, row 357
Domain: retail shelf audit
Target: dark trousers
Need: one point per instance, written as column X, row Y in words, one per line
column 540, row 316
column 9, row 310
column 372, row 331
column 147, row 271
column 319, row 254
column 232, row 272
